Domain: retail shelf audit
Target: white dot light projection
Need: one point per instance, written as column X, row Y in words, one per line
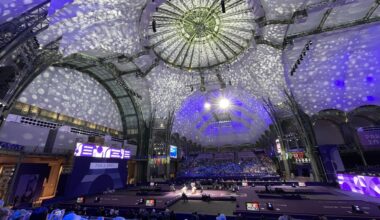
column 221, row 117
column 109, row 25
column 10, row 9
column 75, row 94
column 260, row 73
column 341, row 70
column 283, row 9
column 141, row 86
column 168, row 88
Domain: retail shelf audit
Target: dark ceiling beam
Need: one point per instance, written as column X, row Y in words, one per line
column 107, row 80
column 372, row 10
column 151, row 67
column 235, row 4
column 334, row 28
column 174, row 6
column 192, row 57
column 86, row 67
column 109, row 67
column 229, row 48
column 180, row 52
column 187, row 52
column 236, row 44
column 261, row 40
column 169, row 13
column 324, row 19
column 123, row 96
column 183, row 43
column 15, row 33
column 123, row 73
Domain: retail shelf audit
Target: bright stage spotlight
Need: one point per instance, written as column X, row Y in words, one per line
column 224, row 103
column 207, row 106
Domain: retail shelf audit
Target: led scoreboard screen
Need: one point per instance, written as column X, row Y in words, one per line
column 92, row 150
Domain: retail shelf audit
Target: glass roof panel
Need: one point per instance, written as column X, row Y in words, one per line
column 181, row 29
column 348, row 13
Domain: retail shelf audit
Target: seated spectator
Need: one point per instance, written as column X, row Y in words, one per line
column 72, row 216
column 222, row 165
column 4, row 213
column 221, row 217
column 285, row 217
column 56, row 214
column 39, row 214
column 19, row 214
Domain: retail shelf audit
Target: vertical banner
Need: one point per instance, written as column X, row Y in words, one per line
column 92, row 175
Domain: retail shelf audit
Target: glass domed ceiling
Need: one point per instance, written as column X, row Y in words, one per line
column 197, row 34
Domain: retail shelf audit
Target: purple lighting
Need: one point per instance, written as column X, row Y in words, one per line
column 366, row 185
column 370, row 98
column 340, row 83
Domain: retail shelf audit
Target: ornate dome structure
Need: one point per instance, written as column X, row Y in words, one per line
column 154, row 57
column 198, row 34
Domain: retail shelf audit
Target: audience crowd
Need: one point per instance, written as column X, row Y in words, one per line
column 208, row 166
column 43, row 213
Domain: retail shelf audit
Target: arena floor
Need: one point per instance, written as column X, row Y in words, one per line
column 311, row 200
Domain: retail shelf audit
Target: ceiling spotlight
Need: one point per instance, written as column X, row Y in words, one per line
column 224, row 103
column 207, row 106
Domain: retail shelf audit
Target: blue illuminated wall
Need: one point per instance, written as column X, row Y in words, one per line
column 243, row 122
column 340, row 71
column 75, row 94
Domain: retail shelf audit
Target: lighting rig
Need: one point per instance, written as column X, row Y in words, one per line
column 301, row 57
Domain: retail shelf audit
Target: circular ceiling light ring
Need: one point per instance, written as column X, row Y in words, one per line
column 200, row 23
column 198, row 35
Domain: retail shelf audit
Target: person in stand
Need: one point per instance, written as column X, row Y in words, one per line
column 184, row 197
column 285, row 217
column 15, row 200
column 39, row 214
column 221, row 217
column 4, row 213
column 172, row 216
column 195, row 216
column 172, row 187
column 267, row 188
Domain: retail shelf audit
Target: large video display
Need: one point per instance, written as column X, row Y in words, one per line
column 92, row 150
column 366, row 185
column 95, row 175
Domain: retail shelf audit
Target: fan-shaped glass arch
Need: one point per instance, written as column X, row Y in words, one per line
column 197, row 34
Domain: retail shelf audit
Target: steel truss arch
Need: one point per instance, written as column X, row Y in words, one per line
column 108, row 75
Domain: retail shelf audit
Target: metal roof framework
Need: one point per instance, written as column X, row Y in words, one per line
column 109, row 76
